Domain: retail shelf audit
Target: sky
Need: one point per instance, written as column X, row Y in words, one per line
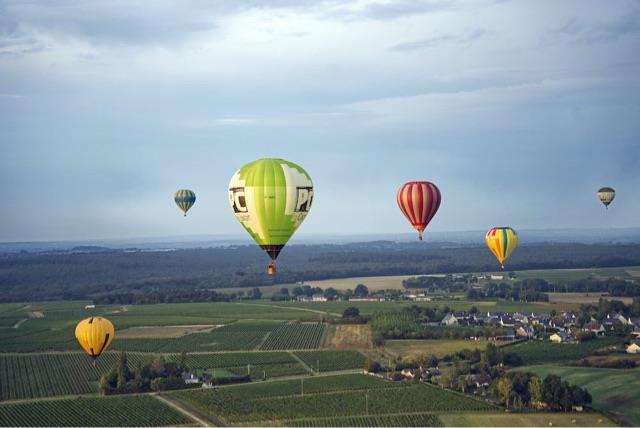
column 517, row 110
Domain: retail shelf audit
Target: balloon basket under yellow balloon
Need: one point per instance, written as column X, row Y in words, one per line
column 271, row 269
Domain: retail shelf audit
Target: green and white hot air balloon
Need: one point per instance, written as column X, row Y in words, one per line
column 184, row 199
column 271, row 198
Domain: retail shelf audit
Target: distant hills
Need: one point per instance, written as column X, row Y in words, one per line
column 437, row 239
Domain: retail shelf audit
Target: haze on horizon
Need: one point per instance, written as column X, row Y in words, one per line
column 519, row 111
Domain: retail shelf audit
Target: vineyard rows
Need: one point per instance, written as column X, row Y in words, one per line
column 414, row 420
column 295, row 336
column 139, row 410
column 286, row 400
column 44, row 375
column 332, row 360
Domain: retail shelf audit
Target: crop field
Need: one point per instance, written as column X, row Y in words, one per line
column 327, row 361
column 412, row 420
column 257, row 364
column 439, row 348
column 582, row 298
column 295, row 336
column 541, row 352
column 45, row 375
column 616, row 391
column 241, row 405
column 139, row 410
column 502, row 419
column 243, row 335
column 563, row 275
column 348, row 336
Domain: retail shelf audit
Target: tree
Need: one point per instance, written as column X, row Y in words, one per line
column 297, row 291
column 284, row 291
column 330, row 293
column 503, row 389
column 552, row 390
column 492, row 355
column 433, row 361
column 255, row 293
column 351, row 312
column 361, row 290
column 535, row 390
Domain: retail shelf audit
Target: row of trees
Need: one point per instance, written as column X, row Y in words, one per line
column 87, row 274
column 524, row 389
column 155, row 375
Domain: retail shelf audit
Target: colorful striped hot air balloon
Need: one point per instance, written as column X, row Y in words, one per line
column 95, row 335
column 185, row 199
column 606, row 195
column 419, row 202
column 502, row 241
column 271, row 198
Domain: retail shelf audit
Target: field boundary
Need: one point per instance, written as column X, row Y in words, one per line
column 181, row 409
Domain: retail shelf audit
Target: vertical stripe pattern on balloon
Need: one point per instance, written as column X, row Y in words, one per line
column 419, row 201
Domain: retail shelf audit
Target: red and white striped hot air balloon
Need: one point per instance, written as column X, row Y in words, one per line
column 419, row 202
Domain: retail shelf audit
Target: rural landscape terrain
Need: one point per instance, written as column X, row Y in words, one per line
column 452, row 348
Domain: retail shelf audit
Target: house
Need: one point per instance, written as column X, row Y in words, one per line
column 497, row 277
column 367, row 299
column 525, row 331
column 318, row 298
column 449, row 320
column 634, row 348
column 90, row 306
column 190, row 378
column 561, row 337
column 408, row 374
column 595, row 328
column 305, row 299
column 507, row 335
column 507, row 321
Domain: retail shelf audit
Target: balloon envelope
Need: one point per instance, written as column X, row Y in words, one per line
column 606, row 195
column 95, row 335
column 502, row 241
column 271, row 198
column 184, row 199
column 419, row 201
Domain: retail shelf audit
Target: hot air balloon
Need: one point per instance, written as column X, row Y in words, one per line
column 185, row 199
column 606, row 195
column 502, row 241
column 271, row 198
column 419, row 202
column 94, row 335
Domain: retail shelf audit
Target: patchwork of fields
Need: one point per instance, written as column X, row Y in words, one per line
column 303, row 371
column 345, row 396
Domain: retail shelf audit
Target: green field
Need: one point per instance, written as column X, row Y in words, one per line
column 295, row 336
column 616, row 391
column 413, row 420
column 138, row 410
column 326, row 361
column 542, row 352
column 283, row 401
column 439, row 348
column 503, row 419
column 564, row 275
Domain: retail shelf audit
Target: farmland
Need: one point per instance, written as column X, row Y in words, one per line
column 295, row 336
column 332, row 360
column 439, row 348
column 487, row 419
column 109, row 411
column 539, row 352
column 278, row 401
column 616, row 391
column 413, row 420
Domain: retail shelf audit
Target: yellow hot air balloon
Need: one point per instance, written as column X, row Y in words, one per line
column 95, row 335
column 502, row 241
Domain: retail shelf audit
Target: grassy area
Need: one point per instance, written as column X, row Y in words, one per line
column 439, row 348
column 563, row 275
column 616, row 391
column 137, row 410
column 348, row 336
column 326, row 361
column 484, row 419
column 542, row 352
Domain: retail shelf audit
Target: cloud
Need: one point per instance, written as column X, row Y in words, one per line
column 601, row 31
column 439, row 40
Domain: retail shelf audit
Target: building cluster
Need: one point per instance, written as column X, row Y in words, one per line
column 561, row 328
